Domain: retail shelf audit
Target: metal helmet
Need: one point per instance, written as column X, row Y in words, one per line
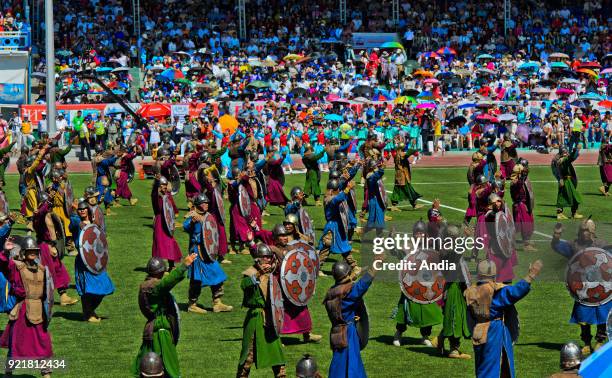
column 419, row 227
column 524, row 162
column 291, row 218
column 56, row 174
column 494, row 198
column 477, row 156
column 25, row 149
column 481, row 179
column 296, row 191
column 204, row 157
column 99, row 149
column 30, row 244
column 166, row 137
column 333, row 184
column 263, row 250
column 90, row 191
column 401, row 146
column 30, row 160
column 587, row 225
column 200, row 199
column 43, row 197
column 571, row 356
column 279, row 230
column 340, row 270
column 371, row 165
column 451, row 231
column 3, row 216
column 163, row 181
column 500, row 183
column 306, row 367
column 156, row 265
column 308, row 147
column 334, row 174
column 163, row 152
column 82, row 205
column 486, row 269
column 563, row 150
column 236, row 172
column 151, row 365
column 340, row 155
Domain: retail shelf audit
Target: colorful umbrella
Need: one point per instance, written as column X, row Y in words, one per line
column 606, row 71
column 484, row 56
column 605, row 103
column 484, row 117
column 155, row 109
column 591, row 65
column 258, row 84
column 591, row 96
column 430, row 54
column 172, row 74
column 228, row 122
column 467, row 105
column 529, row 66
column 341, row 101
column 422, row 73
column 292, row 57
column 586, row 71
column 431, row 81
column 333, row 117
column 425, row 95
column 332, row 97
column 558, row 55
column 391, row 45
column 404, row 100
column 446, row 51
column 426, row 105
column 507, row 117
column 564, row 91
column 558, row 65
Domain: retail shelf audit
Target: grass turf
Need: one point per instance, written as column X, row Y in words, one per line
column 210, row 344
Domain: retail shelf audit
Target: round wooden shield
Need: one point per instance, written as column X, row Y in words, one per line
column 344, row 216
column 131, row 170
column 530, row 197
column 93, row 248
column 504, row 233
column 277, row 309
column 419, row 279
column 299, row 273
column 588, row 277
column 244, row 201
column 68, row 198
column 4, row 205
column 382, row 193
column 168, row 214
column 98, row 217
column 219, row 202
column 306, row 225
column 210, row 237
column 175, row 180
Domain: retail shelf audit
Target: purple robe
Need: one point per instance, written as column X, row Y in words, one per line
column 239, row 225
column 164, row 244
column 61, row 278
column 123, row 190
column 213, row 208
column 276, row 196
column 523, row 220
column 296, row 320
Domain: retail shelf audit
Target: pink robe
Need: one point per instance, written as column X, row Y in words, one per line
column 239, row 225
column 61, row 278
column 164, row 244
column 123, row 189
column 276, row 196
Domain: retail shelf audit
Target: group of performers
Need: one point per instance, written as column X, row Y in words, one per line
column 483, row 311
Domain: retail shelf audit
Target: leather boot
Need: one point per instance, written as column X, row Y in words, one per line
column 219, row 306
column 193, row 307
column 66, row 300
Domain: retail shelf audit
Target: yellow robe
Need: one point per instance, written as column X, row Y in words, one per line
column 57, row 202
column 29, row 178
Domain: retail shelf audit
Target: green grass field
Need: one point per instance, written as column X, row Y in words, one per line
column 210, row 344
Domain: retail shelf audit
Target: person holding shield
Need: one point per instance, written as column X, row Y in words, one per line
column 205, row 270
column 126, row 165
column 102, row 165
column 522, row 203
column 165, row 212
column 313, row 174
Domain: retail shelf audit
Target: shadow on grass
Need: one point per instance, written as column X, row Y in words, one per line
column 544, row 345
column 230, row 340
column 21, row 375
column 432, row 352
column 548, row 216
column 73, row 316
column 295, row 340
column 140, row 269
column 388, row 340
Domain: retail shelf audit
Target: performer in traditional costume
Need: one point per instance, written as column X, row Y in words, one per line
column 348, row 172
column 567, row 195
column 91, row 195
column 205, row 271
column 313, row 173
column 102, row 166
column 32, row 182
column 584, row 315
column 604, row 161
column 92, row 287
column 403, row 189
column 488, row 302
column 4, row 160
column 261, row 344
column 435, row 220
column 239, row 222
column 161, row 332
column 345, row 308
column 410, row 313
column 522, row 211
column 164, row 244
column 26, row 335
column 508, row 156
column 213, row 188
column 276, row 179
column 126, row 164
column 46, row 236
column 571, row 358
column 376, row 197
column 475, row 171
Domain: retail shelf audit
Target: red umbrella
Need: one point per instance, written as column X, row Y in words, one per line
column 431, row 81
column 332, row 97
column 591, row 65
column 486, row 117
column 154, row 109
column 605, row 103
column 446, row 51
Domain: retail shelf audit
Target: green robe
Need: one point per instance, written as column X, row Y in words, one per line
column 567, row 195
column 163, row 338
column 416, row 314
column 313, row 174
column 455, row 313
column 267, row 348
column 60, row 155
column 5, row 162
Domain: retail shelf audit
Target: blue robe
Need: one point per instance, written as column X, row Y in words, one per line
column 103, row 169
column 347, row 362
column 352, row 210
column 208, row 272
column 489, row 355
column 85, row 281
column 582, row 314
column 376, row 210
column 340, row 243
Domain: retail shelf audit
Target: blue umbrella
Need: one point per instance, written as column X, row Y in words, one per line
column 425, row 95
column 591, row 96
column 529, row 66
column 558, row 65
column 104, row 69
column 467, row 105
column 333, row 117
column 164, row 79
column 484, row 56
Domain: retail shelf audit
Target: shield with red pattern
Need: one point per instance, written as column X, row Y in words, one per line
column 98, row 217
column 343, row 210
column 277, row 309
column 168, row 215
column 588, row 277
column 219, row 202
column 530, row 197
column 93, row 248
column 244, row 201
column 306, row 225
column 382, row 194
column 504, row 233
column 299, row 273
column 421, row 278
column 68, row 198
column 4, row 205
column 210, row 237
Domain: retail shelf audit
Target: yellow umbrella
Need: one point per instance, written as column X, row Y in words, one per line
column 404, row 100
column 228, row 122
column 292, row 57
column 422, row 73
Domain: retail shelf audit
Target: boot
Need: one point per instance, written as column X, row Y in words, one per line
column 265, row 214
column 602, row 190
column 312, row 338
column 93, row 319
column 561, row 216
column 529, row 248
column 318, row 203
column 193, row 307
column 455, row 353
column 388, row 218
column 426, row 341
column 219, row 306
column 417, row 206
column 108, row 212
column 321, row 274
column 438, row 343
column 225, row 261
column 397, row 339
column 394, row 208
column 66, row 300
column 116, row 203
column 133, row 201
column 598, row 344
column 70, row 245
column 587, row 349
column 577, row 216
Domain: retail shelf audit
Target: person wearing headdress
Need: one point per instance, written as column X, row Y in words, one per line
column 489, row 305
column 240, row 224
column 375, row 199
column 102, row 165
column 475, row 170
column 403, row 189
column 125, row 165
column 522, row 212
column 276, row 179
column 313, row 173
column 508, row 156
column 567, row 194
column 604, row 161
column 569, row 361
column 164, row 243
